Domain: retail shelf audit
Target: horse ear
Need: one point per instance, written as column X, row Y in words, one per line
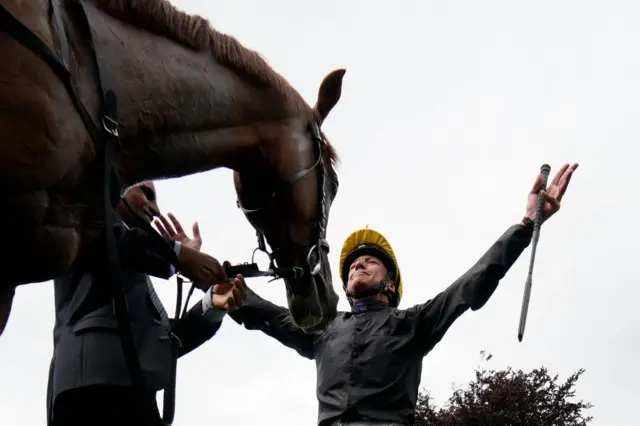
column 329, row 93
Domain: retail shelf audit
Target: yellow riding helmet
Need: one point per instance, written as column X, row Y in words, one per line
column 367, row 241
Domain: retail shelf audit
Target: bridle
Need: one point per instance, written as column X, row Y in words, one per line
column 318, row 240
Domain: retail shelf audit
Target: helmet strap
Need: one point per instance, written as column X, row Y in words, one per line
column 381, row 288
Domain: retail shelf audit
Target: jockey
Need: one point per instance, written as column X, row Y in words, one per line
column 369, row 360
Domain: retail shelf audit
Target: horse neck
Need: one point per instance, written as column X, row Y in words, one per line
column 180, row 111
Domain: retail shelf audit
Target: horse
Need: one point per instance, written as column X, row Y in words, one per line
column 190, row 99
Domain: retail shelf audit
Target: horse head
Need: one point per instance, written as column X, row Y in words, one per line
column 189, row 99
column 288, row 204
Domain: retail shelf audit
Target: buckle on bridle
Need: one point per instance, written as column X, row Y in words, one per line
column 293, row 273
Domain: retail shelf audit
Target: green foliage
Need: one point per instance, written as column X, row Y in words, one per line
column 508, row 397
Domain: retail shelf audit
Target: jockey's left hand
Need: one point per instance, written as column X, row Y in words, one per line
column 229, row 295
column 176, row 233
column 553, row 195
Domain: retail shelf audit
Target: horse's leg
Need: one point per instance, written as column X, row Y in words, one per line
column 39, row 252
column 6, row 300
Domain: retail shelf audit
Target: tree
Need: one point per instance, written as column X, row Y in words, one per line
column 508, row 397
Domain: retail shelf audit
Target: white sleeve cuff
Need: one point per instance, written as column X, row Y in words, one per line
column 211, row 314
column 206, row 301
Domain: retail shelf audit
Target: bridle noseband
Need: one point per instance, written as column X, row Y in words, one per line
column 319, row 226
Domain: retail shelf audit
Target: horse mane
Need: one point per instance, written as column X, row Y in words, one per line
column 196, row 32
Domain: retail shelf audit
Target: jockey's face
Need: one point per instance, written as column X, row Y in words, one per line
column 367, row 272
column 142, row 198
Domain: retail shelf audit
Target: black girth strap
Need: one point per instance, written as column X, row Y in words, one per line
column 111, row 132
column 105, row 140
column 120, row 307
column 62, row 36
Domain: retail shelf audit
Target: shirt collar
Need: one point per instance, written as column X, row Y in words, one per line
column 368, row 305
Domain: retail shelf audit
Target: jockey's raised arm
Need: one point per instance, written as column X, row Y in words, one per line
column 472, row 290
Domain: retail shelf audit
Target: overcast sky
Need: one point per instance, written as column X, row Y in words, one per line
column 448, row 110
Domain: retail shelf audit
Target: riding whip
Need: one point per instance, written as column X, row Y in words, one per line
column 544, row 171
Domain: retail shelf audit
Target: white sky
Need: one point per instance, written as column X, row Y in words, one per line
column 448, row 110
